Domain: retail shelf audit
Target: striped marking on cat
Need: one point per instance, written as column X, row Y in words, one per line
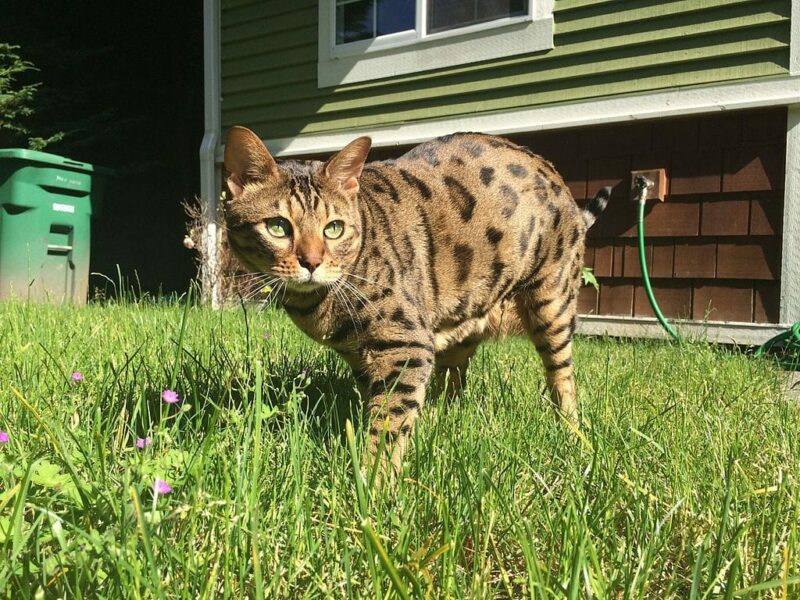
column 461, row 198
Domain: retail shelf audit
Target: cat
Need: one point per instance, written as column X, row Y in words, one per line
column 404, row 266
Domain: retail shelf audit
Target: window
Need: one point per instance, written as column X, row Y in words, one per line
column 449, row 14
column 360, row 40
column 366, row 19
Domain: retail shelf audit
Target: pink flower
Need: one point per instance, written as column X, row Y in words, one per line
column 3, row 437
column 267, row 335
column 77, row 376
column 170, row 396
column 161, row 487
column 142, row 442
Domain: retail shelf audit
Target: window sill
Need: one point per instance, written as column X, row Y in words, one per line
column 362, row 61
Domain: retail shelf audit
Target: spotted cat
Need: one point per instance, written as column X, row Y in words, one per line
column 404, row 266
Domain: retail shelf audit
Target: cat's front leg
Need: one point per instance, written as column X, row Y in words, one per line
column 397, row 374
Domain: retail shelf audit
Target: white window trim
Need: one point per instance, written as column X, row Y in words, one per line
column 414, row 51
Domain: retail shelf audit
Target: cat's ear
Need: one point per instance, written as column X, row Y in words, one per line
column 345, row 166
column 246, row 159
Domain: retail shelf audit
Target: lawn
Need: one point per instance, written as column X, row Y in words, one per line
column 683, row 483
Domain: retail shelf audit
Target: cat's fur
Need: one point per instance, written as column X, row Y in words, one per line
column 462, row 238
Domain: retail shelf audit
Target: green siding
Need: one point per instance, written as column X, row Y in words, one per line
column 602, row 48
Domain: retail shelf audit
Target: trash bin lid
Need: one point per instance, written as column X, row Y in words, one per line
column 45, row 158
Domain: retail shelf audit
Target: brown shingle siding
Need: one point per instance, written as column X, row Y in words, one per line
column 753, row 169
column 696, row 258
column 724, row 216
column 723, row 301
column 748, row 258
column 715, row 239
column 674, row 299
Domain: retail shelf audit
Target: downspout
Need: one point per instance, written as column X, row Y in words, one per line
column 209, row 175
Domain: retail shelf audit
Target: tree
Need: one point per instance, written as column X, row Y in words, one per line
column 16, row 101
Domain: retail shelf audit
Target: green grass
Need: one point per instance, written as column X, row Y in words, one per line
column 684, row 484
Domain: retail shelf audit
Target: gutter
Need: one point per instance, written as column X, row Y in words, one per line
column 209, row 174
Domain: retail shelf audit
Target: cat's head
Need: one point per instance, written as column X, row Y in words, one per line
column 297, row 221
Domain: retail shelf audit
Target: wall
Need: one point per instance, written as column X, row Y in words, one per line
column 602, row 48
column 714, row 245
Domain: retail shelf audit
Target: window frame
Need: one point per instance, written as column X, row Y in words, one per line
column 415, row 50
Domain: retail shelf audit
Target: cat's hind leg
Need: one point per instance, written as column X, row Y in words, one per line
column 450, row 375
column 549, row 319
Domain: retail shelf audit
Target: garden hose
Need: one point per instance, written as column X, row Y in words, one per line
column 784, row 347
column 641, row 184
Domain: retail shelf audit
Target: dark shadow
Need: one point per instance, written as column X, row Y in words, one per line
column 124, row 82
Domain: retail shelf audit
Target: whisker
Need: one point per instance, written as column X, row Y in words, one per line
column 364, row 279
column 358, row 294
column 257, row 287
column 347, row 305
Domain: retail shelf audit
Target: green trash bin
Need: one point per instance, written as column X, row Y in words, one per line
column 46, row 205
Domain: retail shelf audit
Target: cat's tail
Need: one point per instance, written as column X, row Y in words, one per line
column 597, row 205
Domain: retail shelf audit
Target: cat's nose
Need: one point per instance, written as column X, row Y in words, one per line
column 310, row 262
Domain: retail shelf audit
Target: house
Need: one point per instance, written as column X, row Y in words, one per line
column 707, row 90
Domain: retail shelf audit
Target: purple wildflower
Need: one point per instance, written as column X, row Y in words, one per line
column 170, row 396
column 77, row 376
column 267, row 335
column 161, row 487
column 142, row 442
column 3, row 437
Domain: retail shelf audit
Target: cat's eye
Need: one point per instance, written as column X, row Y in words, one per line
column 279, row 227
column 334, row 230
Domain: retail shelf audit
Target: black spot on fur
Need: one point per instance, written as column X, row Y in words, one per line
column 559, row 247
column 411, row 256
column 426, row 152
column 517, row 170
column 474, row 149
column 512, row 199
column 540, row 188
column 431, row 247
column 574, row 237
column 487, row 174
column 463, row 256
column 383, row 345
column 494, row 236
column 457, row 160
column 497, row 270
column 461, row 198
column 398, row 316
column 558, row 366
column 410, row 403
column 410, row 363
column 424, row 190
column 385, row 186
column 531, row 225
column 556, row 212
column 523, row 243
column 556, row 188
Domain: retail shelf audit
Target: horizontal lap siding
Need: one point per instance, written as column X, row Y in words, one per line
column 602, row 48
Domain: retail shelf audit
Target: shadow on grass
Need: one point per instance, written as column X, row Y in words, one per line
column 318, row 390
